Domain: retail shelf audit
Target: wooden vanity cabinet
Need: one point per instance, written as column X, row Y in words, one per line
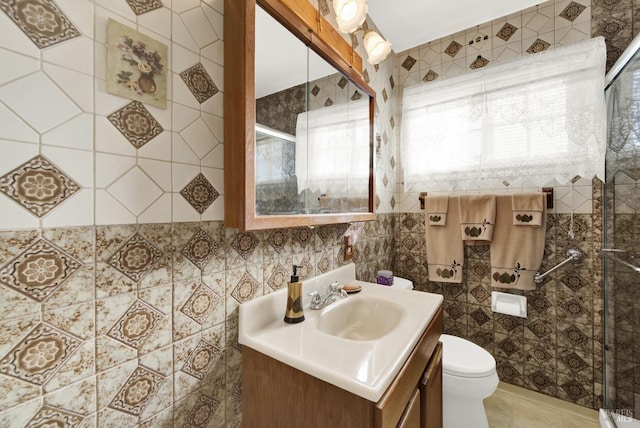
column 277, row 395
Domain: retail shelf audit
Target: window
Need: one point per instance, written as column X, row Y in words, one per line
column 529, row 121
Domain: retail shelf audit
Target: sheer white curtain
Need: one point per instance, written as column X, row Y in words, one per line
column 332, row 148
column 527, row 121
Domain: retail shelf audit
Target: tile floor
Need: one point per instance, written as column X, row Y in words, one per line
column 514, row 407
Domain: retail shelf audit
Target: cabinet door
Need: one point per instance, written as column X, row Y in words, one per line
column 411, row 416
column 431, row 392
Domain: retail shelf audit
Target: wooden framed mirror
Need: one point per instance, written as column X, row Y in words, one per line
column 301, row 190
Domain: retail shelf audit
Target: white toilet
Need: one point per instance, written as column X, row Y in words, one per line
column 468, row 376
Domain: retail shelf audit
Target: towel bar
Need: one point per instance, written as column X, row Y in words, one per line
column 573, row 255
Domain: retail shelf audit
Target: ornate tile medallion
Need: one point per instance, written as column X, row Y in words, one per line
column 137, row 391
column 408, row 63
column 385, row 96
column 342, row 82
column 199, row 82
column 200, row 193
column 328, row 102
column 201, row 359
column 356, row 96
column 277, row 239
column 324, row 264
column 539, row 304
column 540, row 380
column 39, row 270
column 506, row 31
column 246, row 289
column 199, row 249
column 538, row 46
column 135, row 258
column 134, row 327
column 540, row 329
column 302, row 236
column 315, row 91
column 142, row 6
column 480, row 316
column 136, row 123
column 453, row 49
column 573, row 362
column 278, row 278
column 575, row 336
column 245, row 244
column 202, row 412
column 38, row 185
column 37, row 357
column 41, row 20
column 199, row 304
column 540, row 354
column 408, row 222
column 430, row 76
column 49, row 416
column 572, row 11
column 574, row 389
column 573, row 307
column 392, row 82
column 479, row 62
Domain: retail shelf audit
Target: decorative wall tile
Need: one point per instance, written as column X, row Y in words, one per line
column 199, row 83
column 49, row 416
column 200, row 193
column 135, row 326
column 538, row 45
column 479, row 62
column 39, row 270
column 453, row 49
column 506, row 32
column 38, row 186
column 408, row 63
column 42, row 21
column 136, row 123
column 199, row 249
column 245, row 244
column 245, row 289
column 135, row 258
column 572, row 11
column 137, row 391
column 201, row 359
column 200, row 304
column 37, row 357
column 430, row 76
column 142, row 6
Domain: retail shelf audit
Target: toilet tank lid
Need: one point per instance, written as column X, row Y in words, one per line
column 463, row 358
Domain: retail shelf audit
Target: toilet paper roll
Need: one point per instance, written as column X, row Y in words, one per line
column 508, row 308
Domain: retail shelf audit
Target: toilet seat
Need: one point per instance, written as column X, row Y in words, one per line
column 465, row 359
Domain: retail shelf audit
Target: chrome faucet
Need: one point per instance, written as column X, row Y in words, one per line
column 333, row 293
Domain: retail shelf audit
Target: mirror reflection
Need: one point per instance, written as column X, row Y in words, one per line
column 312, row 133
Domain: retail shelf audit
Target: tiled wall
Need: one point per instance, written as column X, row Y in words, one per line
column 119, row 284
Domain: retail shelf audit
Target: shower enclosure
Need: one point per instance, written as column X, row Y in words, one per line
column 621, row 252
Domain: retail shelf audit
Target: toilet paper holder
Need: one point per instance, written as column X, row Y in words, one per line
column 509, row 304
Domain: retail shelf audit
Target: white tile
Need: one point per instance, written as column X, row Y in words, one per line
column 14, row 216
column 75, row 211
column 215, row 212
column 16, row 65
column 76, row 54
column 110, row 140
column 100, row 61
column 106, row 103
column 215, row 124
column 183, row 116
column 181, row 35
column 15, row 154
column 135, row 190
column 215, row 177
column 182, row 175
column 159, row 148
column 182, row 210
column 158, row 212
column 38, row 101
column 182, row 94
column 158, row 21
column 80, row 13
column 214, row 52
column 216, row 72
column 74, row 134
column 217, row 5
column 200, row 138
column 111, row 167
column 12, row 38
column 78, row 86
column 158, row 171
column 215, row 18
column 161, row 115
column 215, row 159
column 77, row 164
column 14, row 128
column 102, row 15
column 110, row 211
column 184, row 5
column 182, row 153
column 120, row 8
column 214, row 105
column 183, row 58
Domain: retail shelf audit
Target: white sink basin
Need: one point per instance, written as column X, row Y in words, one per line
column 360, row 318
column 358, row 344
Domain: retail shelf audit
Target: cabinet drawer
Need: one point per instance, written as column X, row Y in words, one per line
column 431, row 392
column 411, row 416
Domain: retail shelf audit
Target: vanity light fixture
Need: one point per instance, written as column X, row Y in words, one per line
column 350, row 15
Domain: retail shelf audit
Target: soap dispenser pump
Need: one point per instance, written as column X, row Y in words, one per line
column 294, row 313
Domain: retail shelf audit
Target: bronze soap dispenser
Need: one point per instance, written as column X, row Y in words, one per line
column 294, row 313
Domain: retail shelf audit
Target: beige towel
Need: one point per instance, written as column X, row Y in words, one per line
column 437, row 208
column 445, row 250
column 477, row 217
column 528, row 209
column 516, row 252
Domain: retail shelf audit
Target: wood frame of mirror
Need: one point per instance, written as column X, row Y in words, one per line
column 306, row 23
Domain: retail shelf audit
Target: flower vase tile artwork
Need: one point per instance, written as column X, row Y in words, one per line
column 136, row 65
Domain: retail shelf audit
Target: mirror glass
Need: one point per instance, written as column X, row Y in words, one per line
column 312, row 151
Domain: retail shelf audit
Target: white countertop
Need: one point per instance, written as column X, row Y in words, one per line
column 364, row 368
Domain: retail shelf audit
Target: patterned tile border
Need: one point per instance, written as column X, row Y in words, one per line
column 135, row 326
column 39, row 270
column 143, row 6
column 199, row 249
column 199, row 82
column 38, row 185
column 245, row 244
column 137, row 391
column 245, row 289
column 278, row 278
column 37, row 357
column 136, row 123
column 49, row 416
column 202, row 357
column 199, row 304
column 41, row 20
column 135, row 258
column 200, row 193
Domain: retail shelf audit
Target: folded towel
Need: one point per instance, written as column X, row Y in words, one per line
column 516, row 252
column 437, row 207
column 477, row 217
column 445, row 250
column 528, row 208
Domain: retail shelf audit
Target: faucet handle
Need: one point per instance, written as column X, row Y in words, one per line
column 315, row 297
column 334, row 286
